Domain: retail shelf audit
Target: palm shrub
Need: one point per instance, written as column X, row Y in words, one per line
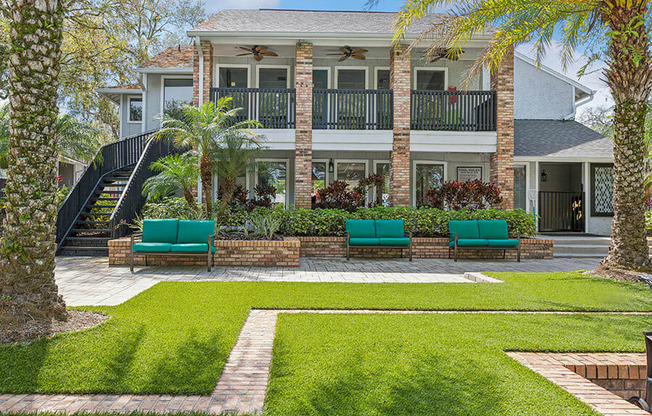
column 613, row 29
column 205, row 128
column 176, row 172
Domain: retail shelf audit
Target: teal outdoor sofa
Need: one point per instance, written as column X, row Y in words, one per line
column 377, row 233
column 482, row 234
column 174, row 238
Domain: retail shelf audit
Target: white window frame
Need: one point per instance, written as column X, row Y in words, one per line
column 163, row 78
column 375, row 170
column 216, row 74
column 431, row 69
column 329, row 80
column 527, row 181
column 287, row 175
column 380, row 68
column 266, row 66
column 414, row 174
column 358, row 68
column 142, row 103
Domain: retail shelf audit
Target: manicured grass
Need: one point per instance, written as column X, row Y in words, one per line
column 175, row 337
column 451, row 365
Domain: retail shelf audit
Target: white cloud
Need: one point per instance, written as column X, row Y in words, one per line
column 213, row 6
column 590, row 79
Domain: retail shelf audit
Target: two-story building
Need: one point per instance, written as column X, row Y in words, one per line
column 338, row 101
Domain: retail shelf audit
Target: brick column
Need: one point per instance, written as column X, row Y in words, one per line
column 303, row 132
column 206, row 72
column 502, row 162
column 399, row 76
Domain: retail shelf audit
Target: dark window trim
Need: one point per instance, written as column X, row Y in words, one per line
column 129, row 100
column 593, row 212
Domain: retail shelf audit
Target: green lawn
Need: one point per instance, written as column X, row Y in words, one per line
column 175, row 337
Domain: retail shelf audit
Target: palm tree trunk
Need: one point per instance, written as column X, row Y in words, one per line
column 629, row 78
column 206, row 174
column 29, row 298
column 190, row 199
column 227, row 196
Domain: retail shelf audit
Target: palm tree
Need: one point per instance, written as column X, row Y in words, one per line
column 203, row 128
column 29, row 298
column 615, row 29
column 176, row 172
column 231, row 156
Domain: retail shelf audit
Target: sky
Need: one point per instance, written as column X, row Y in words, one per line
column 552, row 59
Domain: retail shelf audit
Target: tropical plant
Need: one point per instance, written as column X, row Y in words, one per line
column 176, row 172
column 613, row 29
column 29, row 298
column 337, row 196
column 205, row 128
column 265, row 225
column 455, row 195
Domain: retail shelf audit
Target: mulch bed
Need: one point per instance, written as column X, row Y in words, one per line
column 77, row 321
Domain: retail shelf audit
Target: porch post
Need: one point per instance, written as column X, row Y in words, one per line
column 399, row 168
column 303, row 132
column 502, row 161
column 202, row 68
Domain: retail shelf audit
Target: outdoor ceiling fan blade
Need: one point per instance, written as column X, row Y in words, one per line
column 360, row 51
column 435, row 59
column 258, row 57
column 262, row 48
column 269, row 53
column 360, row 57
column 333, row 54
column 244, row 54
column 344, row 58
column 245, row 49
column 345, row 49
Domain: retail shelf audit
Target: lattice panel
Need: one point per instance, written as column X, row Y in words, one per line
column 603, row 189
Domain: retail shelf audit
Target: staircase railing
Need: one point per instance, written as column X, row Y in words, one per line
column 110, row 157
column 132, row 200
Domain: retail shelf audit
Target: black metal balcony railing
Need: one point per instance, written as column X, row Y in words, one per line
column 352, row 109
column 274, row 108
column 454, row 110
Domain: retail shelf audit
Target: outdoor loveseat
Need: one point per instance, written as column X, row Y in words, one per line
column 482, row 234
column 174, row 238
column 377, row 233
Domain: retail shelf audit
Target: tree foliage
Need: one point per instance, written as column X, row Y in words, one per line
column 176, row 173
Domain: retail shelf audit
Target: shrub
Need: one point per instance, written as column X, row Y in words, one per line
column 454, row 195
column 265, row 194
column 338, row 196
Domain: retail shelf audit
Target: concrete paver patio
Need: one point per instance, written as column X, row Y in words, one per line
column 90, row 280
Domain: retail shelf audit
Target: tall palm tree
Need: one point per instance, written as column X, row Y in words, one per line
column 615, row 29
column 176, row 172
column 28, row 292
column 203, row 128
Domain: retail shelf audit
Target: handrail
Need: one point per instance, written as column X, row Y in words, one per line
column 131, row 199
column 115, row 155
column 273, row 108
column 453, row 110
column 346, row 109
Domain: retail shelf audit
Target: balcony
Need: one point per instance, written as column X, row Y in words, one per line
column 339, row 109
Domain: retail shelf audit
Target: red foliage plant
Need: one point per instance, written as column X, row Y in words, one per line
column 454, row 195
column 336, row 195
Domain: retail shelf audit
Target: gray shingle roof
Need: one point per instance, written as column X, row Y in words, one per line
column 307, row 21
column 556, row 138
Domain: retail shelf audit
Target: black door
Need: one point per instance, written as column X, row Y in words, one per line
column 561, row 211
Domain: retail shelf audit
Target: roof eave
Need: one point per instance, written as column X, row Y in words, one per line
column 554, row 73
column 164, row 70
column 114, row 94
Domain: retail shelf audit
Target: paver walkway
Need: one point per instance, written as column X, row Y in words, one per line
column 243, row 383
column 90, row 280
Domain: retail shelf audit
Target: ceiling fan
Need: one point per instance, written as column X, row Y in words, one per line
column 446, row 53
column 349, row 52
column 258, row 51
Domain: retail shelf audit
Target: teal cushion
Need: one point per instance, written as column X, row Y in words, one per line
column 152, row 247
column 195, row 231
column 464, row 229
column 503, row 243
column 361, row 228
column 493, row 230
column 394, row 241
column 469, row 242
column 390, row 229
column 191, row 248
column 160, row 231
column 364, row 241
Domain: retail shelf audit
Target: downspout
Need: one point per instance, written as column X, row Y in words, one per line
column 576, row 104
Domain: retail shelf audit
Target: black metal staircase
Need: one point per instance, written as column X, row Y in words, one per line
column 108, row 196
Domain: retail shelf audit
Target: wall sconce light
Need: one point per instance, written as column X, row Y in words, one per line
column 331, row 166
column 544, row 176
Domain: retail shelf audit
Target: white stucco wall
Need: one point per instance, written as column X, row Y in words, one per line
column 539, row 95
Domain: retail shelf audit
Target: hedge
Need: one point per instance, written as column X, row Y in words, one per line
column 422, row 222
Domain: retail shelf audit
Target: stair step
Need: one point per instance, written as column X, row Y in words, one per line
column 84, row 251
column 580, row 255
column 91, row 230
column 92, row 222
column 87, row 242
column 113, row 198
column 96, row 214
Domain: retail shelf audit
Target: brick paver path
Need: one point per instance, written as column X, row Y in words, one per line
column 90, row 280
column 243, row 383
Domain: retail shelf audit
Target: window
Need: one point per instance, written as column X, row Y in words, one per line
column 272, row 77
column 233, row 78
column 427, row 176
column 319, row 179
column 351, row 79
column 274, row 173
column 320, row 79
column 383, row 198
column 382, row 79
column 135, row 110
column 176, row 92
column 351, row 172
column 520, row 184
column 430, row 80
column 602, row 190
